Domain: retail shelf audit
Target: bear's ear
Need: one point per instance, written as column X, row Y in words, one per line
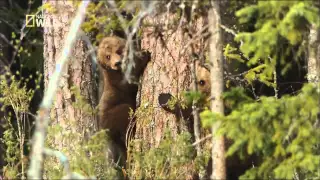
column 103, row 43
column 207, row 66
column 203, row 65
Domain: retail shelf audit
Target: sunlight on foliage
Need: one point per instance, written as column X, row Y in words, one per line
column 15, row 94
column 280, row 26
column 166, row 160
column 88, row 157
column 281, row 130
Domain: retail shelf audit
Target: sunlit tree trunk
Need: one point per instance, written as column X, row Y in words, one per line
column 164, row 74
column 168, row 72
column 76, row 122
column 314, row 55
column 314, row 60
column 217, row 86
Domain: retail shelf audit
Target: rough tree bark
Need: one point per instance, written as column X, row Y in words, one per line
column 217, row 86
column 164, row 74
column 314, row 55
column 168, row 72
column 314, row 60
column 73, row 120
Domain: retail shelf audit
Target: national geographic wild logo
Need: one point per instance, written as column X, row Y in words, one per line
column 35, row 21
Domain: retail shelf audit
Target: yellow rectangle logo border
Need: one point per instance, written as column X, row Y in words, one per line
column 30, row 20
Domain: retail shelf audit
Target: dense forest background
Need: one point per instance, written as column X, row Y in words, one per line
column 231, row 91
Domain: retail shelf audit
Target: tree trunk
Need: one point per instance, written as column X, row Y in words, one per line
column 164, row 74
column 217, row 86
column 314, row 61
column 314, row 55
column 73, row 120
column 168, row 72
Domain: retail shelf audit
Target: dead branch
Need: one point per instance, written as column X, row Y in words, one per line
column 128, row 57
column 201, row 140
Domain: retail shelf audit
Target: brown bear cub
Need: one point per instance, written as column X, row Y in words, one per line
column 235, row 166
column 118, row 96
column 203, row 85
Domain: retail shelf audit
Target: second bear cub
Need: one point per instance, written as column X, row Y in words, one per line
column 118, row 95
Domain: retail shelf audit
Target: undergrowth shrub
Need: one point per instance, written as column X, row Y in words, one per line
column 166, row 160
column 15, row 95
column 87, row 156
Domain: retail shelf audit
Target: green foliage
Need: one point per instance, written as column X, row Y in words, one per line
column 236, row 98
column 101, row 19
column 11, row 144
column 87, row 157
column 164, row 161
column 229, row 53
column 281, row 131
column 194, row 96
column 144, row 112
column 11, row 155
column 173, row 101
column 280, row 27
column 15, row 94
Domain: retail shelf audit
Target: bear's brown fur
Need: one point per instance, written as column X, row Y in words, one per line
column 203, row 85
column 203, row 79
column 118, row 96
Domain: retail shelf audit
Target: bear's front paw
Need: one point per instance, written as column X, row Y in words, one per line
column 146, row 55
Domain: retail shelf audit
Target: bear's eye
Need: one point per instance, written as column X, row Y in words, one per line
column 119, row 51
column 202, row 82
column 108, row 57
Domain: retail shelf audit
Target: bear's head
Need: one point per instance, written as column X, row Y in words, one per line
column 110, row 52
column 203, row 79
column 203, row 86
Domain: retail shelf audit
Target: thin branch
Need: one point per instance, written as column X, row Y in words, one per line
column 275, row 88
column 202, row 139
column 182, row 7
column 42, row 120
column 228, row 30
column 200, row 34
column 168, row 6
column 65, row 162
column 254, row 93
column 128, row 58
column 22, row 33
column 195, row 109
column 62, row 158
column 120, row 17
column 129, row 44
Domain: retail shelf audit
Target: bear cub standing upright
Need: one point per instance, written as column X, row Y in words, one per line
column 118, row 95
